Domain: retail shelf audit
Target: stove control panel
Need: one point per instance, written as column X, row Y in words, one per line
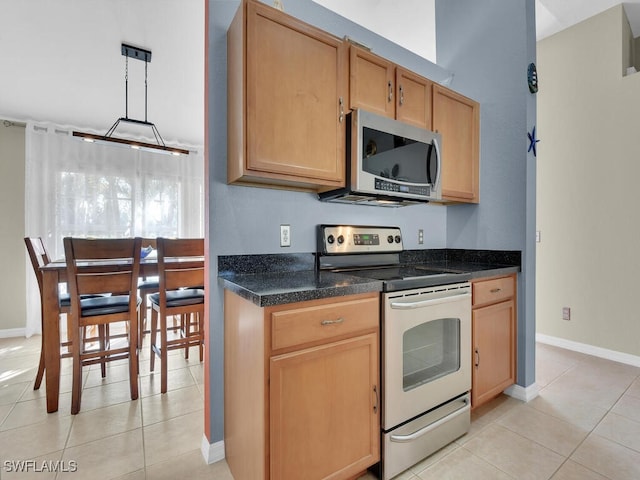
column 347, row 239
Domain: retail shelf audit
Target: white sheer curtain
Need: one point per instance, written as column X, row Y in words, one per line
column 76, row 188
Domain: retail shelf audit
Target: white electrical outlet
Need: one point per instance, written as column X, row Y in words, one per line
column 420, row 236
column 538, row 236
column 566, row 313
column 285, row 235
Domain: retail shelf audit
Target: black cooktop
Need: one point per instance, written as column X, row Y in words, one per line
column 374, row 252
column 396, row 278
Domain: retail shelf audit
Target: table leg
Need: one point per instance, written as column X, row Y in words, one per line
column 51, row 335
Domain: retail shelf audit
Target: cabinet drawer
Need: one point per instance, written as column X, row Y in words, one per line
column 495, row 290
column 322, row 322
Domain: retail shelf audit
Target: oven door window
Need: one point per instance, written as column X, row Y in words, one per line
column 429, row 351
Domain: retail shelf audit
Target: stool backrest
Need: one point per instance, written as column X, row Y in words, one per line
column 38, row 255
column 102, row 266
column 176, row 267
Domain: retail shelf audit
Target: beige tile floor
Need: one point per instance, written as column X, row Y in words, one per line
column 585, row 424
column 155, row 437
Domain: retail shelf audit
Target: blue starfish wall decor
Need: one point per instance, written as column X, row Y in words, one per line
column 532, row 141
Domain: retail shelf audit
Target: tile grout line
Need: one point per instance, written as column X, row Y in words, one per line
column 593, row 429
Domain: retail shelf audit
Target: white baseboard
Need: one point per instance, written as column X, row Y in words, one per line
column 212, row 452
column 524, row 394
column 13, row 332
column 589, row 349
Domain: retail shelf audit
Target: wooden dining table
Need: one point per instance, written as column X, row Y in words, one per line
column 55, row 273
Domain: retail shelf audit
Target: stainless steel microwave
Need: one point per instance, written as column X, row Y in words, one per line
column 389, row 163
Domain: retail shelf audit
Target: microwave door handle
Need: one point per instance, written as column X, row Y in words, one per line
column 433, row 148
column 429, row 153
column 438, row 162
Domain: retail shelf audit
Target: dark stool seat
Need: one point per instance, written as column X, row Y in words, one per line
column 105, row 305
column 180, row 298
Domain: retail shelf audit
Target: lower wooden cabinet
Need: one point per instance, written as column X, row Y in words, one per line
column 322, row 403
column 302, row 388
column 493, row 337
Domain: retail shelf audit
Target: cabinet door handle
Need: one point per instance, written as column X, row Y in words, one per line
column 495, row 290
column 390, row 86
column 477, row 357
column 401, row 94
column 375, row 405
column 332, row 322
column 341, row 116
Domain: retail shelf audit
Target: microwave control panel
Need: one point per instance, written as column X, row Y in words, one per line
column 386, row 186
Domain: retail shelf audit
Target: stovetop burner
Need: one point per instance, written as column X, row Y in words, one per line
column 374, row 252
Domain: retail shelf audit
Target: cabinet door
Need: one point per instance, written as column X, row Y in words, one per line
column 457, row 119
column 493, row 351
column 295, row 83
column 371, row 82
column 413, row 98
column 324, row 419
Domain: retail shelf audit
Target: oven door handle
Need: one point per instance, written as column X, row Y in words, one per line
column 432, row 426
column 427, row 303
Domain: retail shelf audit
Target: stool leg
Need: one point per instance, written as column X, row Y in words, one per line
column 152, row 337
column 102, row 333
column 186, row 318
column 142, row 322
column 163, row 353
column 201, row 335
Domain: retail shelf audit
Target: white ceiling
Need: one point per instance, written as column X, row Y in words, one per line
column 553, row 16
column 62, row 63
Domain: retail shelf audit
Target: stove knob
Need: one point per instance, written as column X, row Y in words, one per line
column 398, row 238
column 340, row 239
column 331, row 239
column 390, row 239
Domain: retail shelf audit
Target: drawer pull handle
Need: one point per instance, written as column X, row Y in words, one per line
column 390, row 87
column 332, row 322
column 375, row 405
column 495, row 290
column 432, row 426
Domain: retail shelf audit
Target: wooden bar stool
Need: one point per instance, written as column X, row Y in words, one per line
column 39, row 257
column 181, row 293
column 86, row 276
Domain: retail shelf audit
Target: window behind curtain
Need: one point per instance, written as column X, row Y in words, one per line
column 115, row 206
column 75, row 188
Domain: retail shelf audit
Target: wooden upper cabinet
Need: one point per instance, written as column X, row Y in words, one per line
column 371, row 82
column 379, row 86
column 287, row 95
column 457, row 119
column 413, row 100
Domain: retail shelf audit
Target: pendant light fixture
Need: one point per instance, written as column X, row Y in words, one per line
column 129, row 51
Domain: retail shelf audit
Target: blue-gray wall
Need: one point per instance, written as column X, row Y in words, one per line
column 488, row 46
column 245, row 220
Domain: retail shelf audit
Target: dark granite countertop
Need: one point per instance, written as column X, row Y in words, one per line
column 275, row 279
column 268, row 289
